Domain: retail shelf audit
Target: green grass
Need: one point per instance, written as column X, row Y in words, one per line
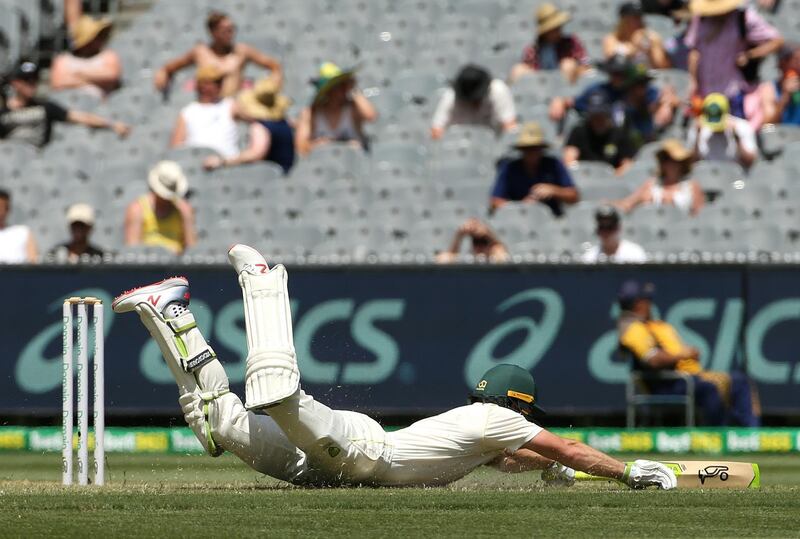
column 200, row 497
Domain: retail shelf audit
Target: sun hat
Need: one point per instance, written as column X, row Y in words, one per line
column 637, row 74
column 549, row 17
column 80, row 213
column 167, row 180
column 712, row 8
column 676, row 151
column 617, row 64
column 208, row 73
column 264, row 101
column 715, row 112
column 530, row 136
column 330, row 75
column 86, row 30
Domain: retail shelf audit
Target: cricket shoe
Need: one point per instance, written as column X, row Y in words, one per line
column 169, row 297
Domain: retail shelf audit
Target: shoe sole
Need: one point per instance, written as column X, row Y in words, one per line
column 158, row 286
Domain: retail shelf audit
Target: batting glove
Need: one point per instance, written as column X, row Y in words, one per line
column 647, row 473
column 558, row 475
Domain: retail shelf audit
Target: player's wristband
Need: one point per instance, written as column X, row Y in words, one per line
column 627, row 473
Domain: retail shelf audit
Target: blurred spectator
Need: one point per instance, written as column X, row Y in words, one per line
column 338, row 112
column 655, row 345
column 783, row 95
column 80, row 218
column 634, row 41
column 668, row 8
column 271, row 136
column 675, row 45
column 552, row 49
column 162, row 218
column 728, row 42
column 73, row 11
column 672, row 186
column 484, row 243
column 612, row 247
column 223, row 54
column 533, row 177
column 30, row 119
column 648, row 110
column 17, row 244
column 770, row 6
column 90, row 66
column 621, row 74
column 475, row 98
column 617, row 68
column 596, row 138
column 210, row 122
column 718, row 135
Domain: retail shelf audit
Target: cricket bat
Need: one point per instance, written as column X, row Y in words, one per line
column 705, row 474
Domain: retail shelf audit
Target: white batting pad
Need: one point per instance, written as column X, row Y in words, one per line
column 209, row 376
column 164, row 337
column 272, row 374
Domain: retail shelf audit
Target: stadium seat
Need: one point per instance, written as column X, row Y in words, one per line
column 406, row 53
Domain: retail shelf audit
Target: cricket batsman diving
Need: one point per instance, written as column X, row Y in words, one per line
column 283, row 432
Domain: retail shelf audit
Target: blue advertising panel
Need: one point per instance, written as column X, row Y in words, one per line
column 409, row 341
column 773, row 335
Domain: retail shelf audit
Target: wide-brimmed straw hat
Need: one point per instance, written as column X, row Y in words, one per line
column 86, row 30
column 531, row 136
column 674, row 149
column 264, row 101
column 330, row 75
column 208, row 73
column 549, row 17
column 167, row 180
column 712, row 8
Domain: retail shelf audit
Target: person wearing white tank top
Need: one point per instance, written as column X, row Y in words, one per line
column 210, row 121
column 673, row 186
column 337, row 112
column 17, row 244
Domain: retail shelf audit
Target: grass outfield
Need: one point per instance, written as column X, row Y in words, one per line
column 201, row 497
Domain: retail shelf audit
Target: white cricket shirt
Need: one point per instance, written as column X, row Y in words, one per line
column 446, row 447
column 627, row 253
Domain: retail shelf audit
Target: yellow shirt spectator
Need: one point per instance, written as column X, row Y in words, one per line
column 166, row 231
column 162, row 217
column 644, row 337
